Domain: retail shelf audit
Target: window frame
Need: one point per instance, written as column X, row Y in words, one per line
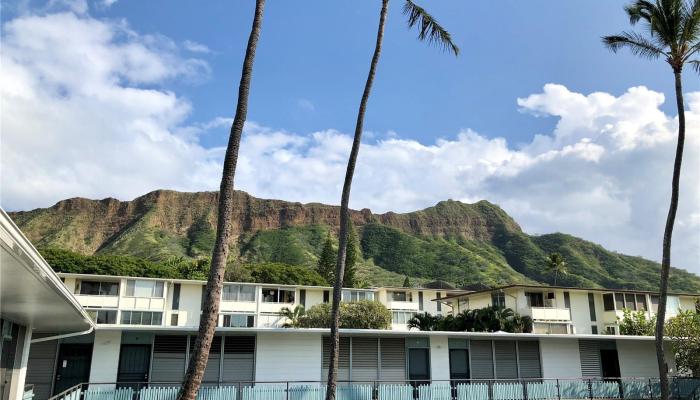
column 407, row 296
column 141, row 314
column 249, row 319
column 100, row 290
column 98, row 311
column 131, row 289
column 279, row 296
column 236, row 292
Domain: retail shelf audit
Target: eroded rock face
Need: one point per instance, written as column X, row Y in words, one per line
column 86, row 225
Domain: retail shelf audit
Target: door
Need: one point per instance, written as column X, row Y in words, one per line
column 459, row 364
column 418, row 365
column 73, row 366
column 609, row 363
column 134, row 362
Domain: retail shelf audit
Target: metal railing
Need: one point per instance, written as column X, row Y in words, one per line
column 456, row 389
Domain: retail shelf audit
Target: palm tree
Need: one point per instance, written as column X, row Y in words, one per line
column 673, row 33
column 293, row 317
column 429, row 30
column 423, row 322
column 210, row 309
column 556, row 265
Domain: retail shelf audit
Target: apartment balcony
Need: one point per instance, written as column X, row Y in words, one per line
column 458, row 389
column 402, row 305
column 102, row 301
column 550, row 314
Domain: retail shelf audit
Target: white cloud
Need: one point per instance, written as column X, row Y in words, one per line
column 306, row 105
column 195, row 47
column 81, row 117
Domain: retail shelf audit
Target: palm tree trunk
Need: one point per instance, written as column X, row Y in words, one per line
column 344, row 202
column 668, row 232
column 210, row 309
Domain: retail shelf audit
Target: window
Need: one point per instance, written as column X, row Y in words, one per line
column 401, row 317
column 641, row 302
column 142, row 317
column 550, row 301
column 591, row 308
column 535, row 299
column 176, row 296
column 278, row 295
column 567, row 300
column 609, row 302
column 326, row 296
column 498, row 299
column 239, row 321
column 238, row 293
column 357, row 295
column 630, row 302
column 401, row 296
column 654, row 300
column 594, row 330
column 93, row 288
column 174, row 319
column 439, row 303
column 139, row 288
column 103, row 316
column 619, row 301
column 610, row 330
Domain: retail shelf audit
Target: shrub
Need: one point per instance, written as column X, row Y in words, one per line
column 636, row 323
column 363, row 314
column 684, row 332
column 487, row 319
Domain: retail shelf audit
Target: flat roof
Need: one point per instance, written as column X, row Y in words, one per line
column 561, row 288
column 203, row 282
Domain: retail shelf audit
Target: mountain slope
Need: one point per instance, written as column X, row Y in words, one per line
column 452, row 241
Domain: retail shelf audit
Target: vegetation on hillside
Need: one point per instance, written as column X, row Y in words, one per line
column 457, row 243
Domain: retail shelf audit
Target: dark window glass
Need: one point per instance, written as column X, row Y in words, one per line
column 302, row 297
column 270, row 295
column 439, row 303
column 326, row 296
column 418, row 364
column 591, row 307
column 535, row 299
column 630, row 302
column 420, row 301
column 90, row 288
column 459, row 364
column 399, row 296
column 641, row 302
column 608, row 302
column 174, row 319
column 619, row 301
column 567, row 300
column 176, row 297
column 498, row 299
column 594, row 330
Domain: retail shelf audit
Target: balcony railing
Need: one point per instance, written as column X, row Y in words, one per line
column 534, row 389
column 551, row 314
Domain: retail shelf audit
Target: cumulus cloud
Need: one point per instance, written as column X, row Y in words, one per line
column 84, row 115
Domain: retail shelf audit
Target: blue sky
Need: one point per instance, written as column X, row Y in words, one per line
column 313, row 55
column 105, row 98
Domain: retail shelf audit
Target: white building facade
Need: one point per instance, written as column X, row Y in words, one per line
column 145, row 330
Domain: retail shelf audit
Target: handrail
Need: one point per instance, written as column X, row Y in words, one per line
column 65, row 392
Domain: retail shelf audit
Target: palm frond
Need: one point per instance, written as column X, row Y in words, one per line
column 640, row 10
column 638, row 45
column 695, row 64
column 429, row 28
column 690, row 34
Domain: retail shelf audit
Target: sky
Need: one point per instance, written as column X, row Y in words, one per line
column 115, row 98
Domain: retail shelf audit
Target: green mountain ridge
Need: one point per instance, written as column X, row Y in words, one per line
column 451, row 241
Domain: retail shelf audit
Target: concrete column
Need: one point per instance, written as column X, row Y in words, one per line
column 439, row 358
column 20, row 374
column 105, row 356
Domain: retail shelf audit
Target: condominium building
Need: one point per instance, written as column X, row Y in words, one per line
column 145, row 330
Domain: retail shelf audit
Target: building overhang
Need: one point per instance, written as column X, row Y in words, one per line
column 31, row 294
column 375, row 332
